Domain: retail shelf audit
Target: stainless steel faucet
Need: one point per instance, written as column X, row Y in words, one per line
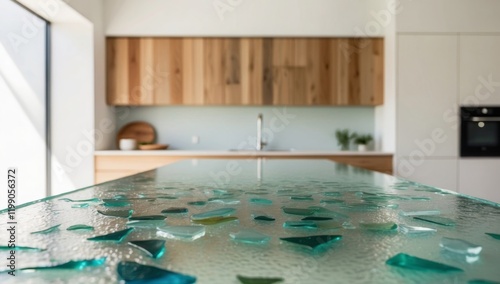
column 260, row 143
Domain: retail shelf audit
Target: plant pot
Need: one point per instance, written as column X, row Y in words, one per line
column 344, row 147
column 362, row 148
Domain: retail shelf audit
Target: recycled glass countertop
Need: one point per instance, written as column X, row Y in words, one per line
column 372, row 212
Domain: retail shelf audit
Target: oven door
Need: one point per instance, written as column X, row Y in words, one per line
column 480, row 137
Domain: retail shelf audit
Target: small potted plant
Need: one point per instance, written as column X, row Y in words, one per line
column 344, row 138
column 362, row 141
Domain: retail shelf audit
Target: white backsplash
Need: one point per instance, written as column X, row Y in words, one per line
column 224, row 128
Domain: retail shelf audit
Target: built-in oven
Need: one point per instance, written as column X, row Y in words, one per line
column 480, row 131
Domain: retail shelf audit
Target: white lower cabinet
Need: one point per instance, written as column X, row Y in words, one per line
column 480, row 178
column 442, row 173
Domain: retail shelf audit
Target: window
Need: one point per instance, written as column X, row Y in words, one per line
column 24, row 99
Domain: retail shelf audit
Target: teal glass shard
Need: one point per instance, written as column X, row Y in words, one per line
column 301, row 198
column 387, row 226
column 175, row 210
column 332, row 193
column 412, row 262
column 259, row 280
column 316, row 218
column 48, row 230
column 215, row 220
column 73, row 264
column 223, row 212
column 420, row 213
column 256, row 193
column 300, row 224
column 482, row 281
column 197, row 203
column 361, row 207
column 153, row 248
column 460, row 246
column 80, row 227
column 181, row 232
column 250, row 237
column 264, row 218
column 117, row 213
column 115, row 203
column 332, row 201
column 413, row 230
column 436, row 220
column 80, row 205
column 493, row 235
column 429, row 189
column 224, row 200
column 113, row 237
column 147, row 218
column 313, row 242
column 135, row 273
column 219, row 191
column 419, row 198
column 298, row 211
column 145, row 223
column 167, row 197
column 81, row 200
column 21, row 248
column 328, row 225
column 261, row 201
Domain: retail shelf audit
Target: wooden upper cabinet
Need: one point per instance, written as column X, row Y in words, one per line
column 245, row 71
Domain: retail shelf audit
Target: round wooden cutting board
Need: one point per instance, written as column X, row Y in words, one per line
column 141, row 131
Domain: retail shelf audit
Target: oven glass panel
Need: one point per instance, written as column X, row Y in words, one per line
column 483, row 134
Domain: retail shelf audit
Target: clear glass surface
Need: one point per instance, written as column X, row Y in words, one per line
column 359, row 256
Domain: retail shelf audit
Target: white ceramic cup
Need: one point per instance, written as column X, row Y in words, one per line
column 128, row 144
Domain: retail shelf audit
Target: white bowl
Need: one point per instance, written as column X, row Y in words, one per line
column 128, row 144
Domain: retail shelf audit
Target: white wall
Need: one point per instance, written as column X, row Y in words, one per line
column 105, row 128
column 242, row 17
column 444, row 57
column 335, row 18
column 224, row 128
column 72, row 94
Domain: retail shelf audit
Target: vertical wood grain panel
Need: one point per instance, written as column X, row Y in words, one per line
column 146, row 71
column 175, row 71
column 268, row 72
column 117, row 71
column 232, row 71
column 159, row 75
column 251, row 71
column 213, row 72
column 134, row 71
column 245, row 71
column 378, row 71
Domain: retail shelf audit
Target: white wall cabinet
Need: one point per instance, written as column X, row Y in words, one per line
column 426, row 91
column 480, row 178
column 480, row 69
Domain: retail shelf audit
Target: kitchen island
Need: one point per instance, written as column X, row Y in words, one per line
column 302, row 221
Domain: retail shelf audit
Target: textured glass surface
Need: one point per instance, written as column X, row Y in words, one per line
column 209, row 253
